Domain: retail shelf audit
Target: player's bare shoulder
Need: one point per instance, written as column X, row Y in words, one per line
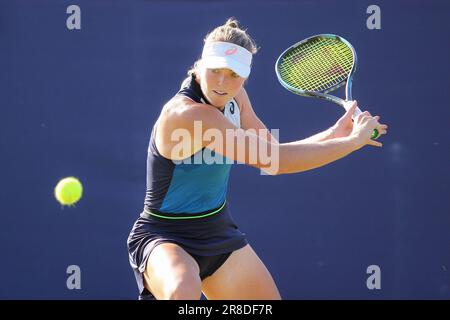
column 176, row 121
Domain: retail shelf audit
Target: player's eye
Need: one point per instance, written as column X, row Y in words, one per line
column 235, row 75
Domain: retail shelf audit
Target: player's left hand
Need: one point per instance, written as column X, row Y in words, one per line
column 344, row 126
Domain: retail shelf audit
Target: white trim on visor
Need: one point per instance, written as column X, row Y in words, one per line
column 217, row 55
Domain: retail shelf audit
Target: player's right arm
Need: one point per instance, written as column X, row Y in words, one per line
column 183, row 130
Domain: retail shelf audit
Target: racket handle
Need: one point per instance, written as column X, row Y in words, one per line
column 348, row 95
column 375, row 132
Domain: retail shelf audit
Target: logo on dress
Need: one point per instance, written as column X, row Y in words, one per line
column 232, row 107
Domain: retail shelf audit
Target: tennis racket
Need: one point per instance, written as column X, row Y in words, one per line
column 318, row 65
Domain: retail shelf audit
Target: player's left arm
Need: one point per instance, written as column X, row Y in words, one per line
column 249, row 119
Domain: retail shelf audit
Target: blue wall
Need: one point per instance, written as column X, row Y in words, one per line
column 83, row 102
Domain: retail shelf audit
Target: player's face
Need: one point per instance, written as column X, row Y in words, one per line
column 219, row 85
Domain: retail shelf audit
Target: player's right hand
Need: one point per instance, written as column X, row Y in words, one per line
column 363, row 127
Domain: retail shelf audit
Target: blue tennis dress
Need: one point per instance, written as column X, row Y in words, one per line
column 188, row 188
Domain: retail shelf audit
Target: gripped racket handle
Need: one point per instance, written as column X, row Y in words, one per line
column 375, row 132
column 348, row 95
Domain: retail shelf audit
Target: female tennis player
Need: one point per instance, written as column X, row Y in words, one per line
column 185, row 242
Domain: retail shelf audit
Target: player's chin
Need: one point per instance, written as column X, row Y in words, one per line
column 219, row 102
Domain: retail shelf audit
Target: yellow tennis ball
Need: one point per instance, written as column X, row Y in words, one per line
column 68, row 191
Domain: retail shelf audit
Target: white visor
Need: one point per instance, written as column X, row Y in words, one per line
column 217, row 55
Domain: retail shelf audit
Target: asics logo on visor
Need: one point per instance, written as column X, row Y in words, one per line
column 231, row 51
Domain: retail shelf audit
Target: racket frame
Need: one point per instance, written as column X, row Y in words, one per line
column 323, row 95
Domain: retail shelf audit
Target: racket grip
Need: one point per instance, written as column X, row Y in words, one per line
column 375, row 132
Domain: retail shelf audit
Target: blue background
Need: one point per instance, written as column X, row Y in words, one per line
column 82, row 103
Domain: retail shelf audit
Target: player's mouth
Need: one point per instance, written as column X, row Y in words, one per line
column 220, row 93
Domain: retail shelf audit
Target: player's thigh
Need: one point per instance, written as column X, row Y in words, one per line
column 242, row 276
column 168, row 267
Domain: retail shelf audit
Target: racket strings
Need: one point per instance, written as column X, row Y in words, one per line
column 315, row 69
column 317, row 65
